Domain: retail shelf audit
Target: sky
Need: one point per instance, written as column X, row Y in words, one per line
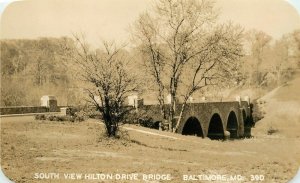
column 110, row 19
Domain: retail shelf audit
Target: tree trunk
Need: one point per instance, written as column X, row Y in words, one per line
column 161, row 99
column 110, row 127
column 180, row 116
column 172, row 109
column 113, row 130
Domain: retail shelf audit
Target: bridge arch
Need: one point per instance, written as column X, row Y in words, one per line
column 232, row 124
column 192, row 127
column 247, row 123
column 215, row 128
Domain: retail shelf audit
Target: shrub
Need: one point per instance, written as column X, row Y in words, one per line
column 272, row 130
column 71, row 111
column 50, row 117
column 62, row 118
column 40, row 117
column 80, row 116
column 146, row 122
column 92, row 113
column 257, row 112
column 71, row 118
column 141, row 118
column 73, row 114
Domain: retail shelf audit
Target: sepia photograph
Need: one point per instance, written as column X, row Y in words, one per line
column 150, row 91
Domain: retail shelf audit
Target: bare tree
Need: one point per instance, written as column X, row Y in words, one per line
column 107, row 77
column 151, row 51
column 296, row 39
column 281, row 59
column 181, row 38
column 217, row 64
column 260, row 44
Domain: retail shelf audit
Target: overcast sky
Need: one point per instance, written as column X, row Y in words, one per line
column 110, row 19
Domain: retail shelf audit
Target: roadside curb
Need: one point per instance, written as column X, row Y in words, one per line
column 27, row 114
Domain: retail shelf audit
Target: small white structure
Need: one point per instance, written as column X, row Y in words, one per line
column 135, row 101
column 238, row 98
column 46, row 100
column 50, row 102
column 247, row 98
column 132, row 100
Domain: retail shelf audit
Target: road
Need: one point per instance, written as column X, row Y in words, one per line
column 25, row 118
column 21, row 117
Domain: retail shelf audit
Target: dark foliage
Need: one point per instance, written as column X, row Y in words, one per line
column 257, row 112
column 73, row 115
column 143, row 118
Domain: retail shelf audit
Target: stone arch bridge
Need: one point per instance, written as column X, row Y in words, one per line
column 215, row 120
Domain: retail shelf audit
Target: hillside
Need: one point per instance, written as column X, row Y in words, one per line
column 282, row 110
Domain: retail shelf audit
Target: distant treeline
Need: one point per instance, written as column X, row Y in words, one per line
column 36, row 67
column 32, row 68
column 267, row 62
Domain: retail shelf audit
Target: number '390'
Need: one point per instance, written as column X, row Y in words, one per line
column 257, row 177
